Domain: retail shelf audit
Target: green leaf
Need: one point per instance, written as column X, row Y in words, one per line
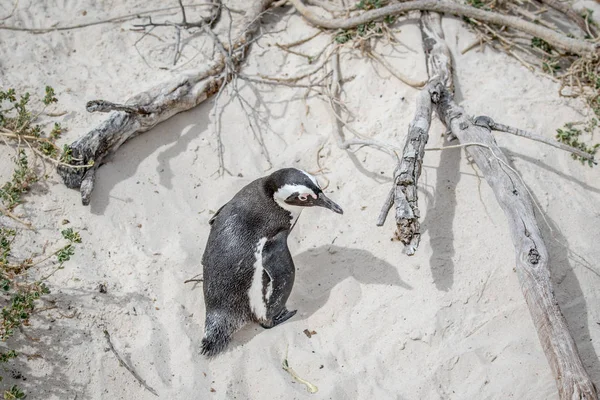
column 49, row 98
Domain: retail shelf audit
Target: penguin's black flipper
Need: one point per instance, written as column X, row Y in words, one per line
column 212, row 219
column 279, row 266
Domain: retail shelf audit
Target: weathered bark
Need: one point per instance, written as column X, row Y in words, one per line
column 407, row 173
column 404, row 193
column 556, row 39
column 531, row 255
column 147, row 109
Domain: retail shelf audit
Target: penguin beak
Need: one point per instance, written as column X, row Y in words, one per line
column 324, row 201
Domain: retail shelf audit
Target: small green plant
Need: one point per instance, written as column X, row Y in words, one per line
column 14, row 393
column 22, row 179
column 20, row 125
column 369, row 4
column 365, row 31
column 550, row 65
column 20, row 293
column 570, row 135
column 22, row 283
column 344, row 36
column 476, row 3
column 483, row 5
column 541, row 44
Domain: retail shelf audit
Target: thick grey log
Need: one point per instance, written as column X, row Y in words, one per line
column 531, row 255
column 147, row 109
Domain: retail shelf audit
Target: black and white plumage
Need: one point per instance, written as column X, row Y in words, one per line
column 248, row 269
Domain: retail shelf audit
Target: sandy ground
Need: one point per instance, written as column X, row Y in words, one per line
column 448, row 323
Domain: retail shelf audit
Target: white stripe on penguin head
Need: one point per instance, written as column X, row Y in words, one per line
column 286, row 191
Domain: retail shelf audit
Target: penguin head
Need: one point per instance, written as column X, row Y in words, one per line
column 293, row 187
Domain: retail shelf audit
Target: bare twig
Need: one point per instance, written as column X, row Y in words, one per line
column 183, row 16
column 338, row 131
column 385, row 209
column 210, row 20
column 286, row 367
column 299, row 42
column 194, row 279
column 276, row 81
column 12, row 11
column 395, row 72
column 490, row 124
column 9, row 214
column 555, row 39
column 318, row 67
column 127, row 367
column 121, row 18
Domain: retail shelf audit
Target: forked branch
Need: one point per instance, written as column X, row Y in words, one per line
column 532, row 261
column 494, row 126
column 555, row 39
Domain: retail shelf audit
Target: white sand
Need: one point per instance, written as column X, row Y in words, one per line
column 448, row 323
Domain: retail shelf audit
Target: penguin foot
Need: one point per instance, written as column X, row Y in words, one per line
column 280, row 318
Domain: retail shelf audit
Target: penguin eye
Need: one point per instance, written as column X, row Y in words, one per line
column 302, row 197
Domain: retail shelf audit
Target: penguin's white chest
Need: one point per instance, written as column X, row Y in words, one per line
column 258, row 294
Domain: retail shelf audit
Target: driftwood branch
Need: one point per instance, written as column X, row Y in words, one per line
column 407, row 173
column 494, row 126
column 531, row 255
column 147, row 109
column 404, row 193
column 555, row 39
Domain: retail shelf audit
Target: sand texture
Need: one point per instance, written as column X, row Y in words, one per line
column 447, row 323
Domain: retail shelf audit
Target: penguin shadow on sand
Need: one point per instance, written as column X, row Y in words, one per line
column 319, row 270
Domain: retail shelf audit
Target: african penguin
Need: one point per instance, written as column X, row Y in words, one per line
column 248, row 268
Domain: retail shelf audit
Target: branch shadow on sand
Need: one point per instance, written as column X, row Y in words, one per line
column 177, row 133
column 440, row 218
column 54, row 341
column 568, row 291
column 319, row 270
column 41, row 368
column 570, row 296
